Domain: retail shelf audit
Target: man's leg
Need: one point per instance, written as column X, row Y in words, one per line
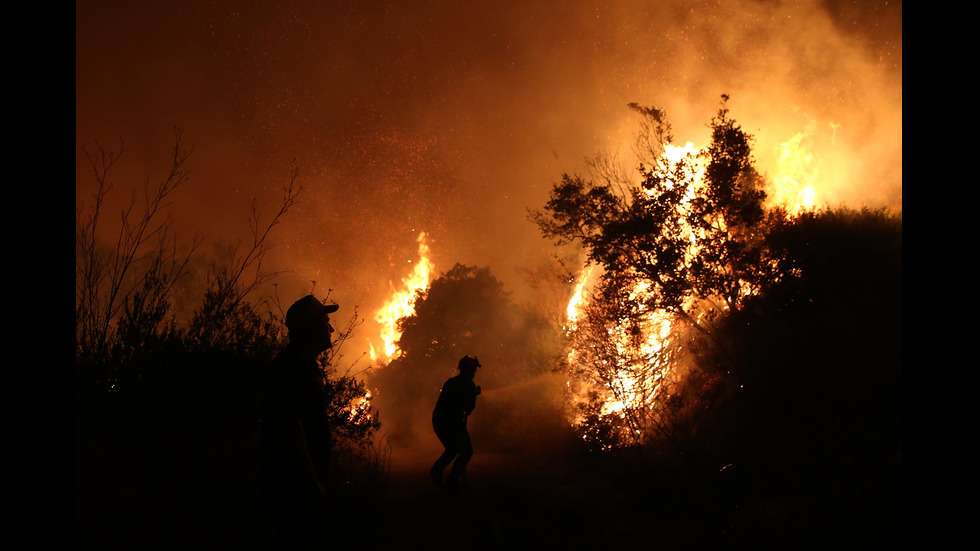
column 465, row 452
column 451, row 443
column 440, row 465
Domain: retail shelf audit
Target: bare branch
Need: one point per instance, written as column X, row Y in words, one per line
column 106, row 277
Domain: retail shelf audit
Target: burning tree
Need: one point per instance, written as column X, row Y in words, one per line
column 622, row 363
column 688, row 230
column 683, row 241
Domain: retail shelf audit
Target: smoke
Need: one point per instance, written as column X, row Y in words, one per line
column 455, row 118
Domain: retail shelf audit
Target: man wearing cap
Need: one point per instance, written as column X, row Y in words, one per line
column 456, row 401
column 294, row 431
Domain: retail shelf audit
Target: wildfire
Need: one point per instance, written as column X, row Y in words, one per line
column 632, row 387
column 795, row 173
column 402, row 303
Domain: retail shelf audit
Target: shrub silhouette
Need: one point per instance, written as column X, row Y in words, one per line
column 166, row 413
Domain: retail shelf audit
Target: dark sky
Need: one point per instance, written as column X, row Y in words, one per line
column 454, row 118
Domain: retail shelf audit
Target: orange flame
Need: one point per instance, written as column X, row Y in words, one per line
column 572, row 310
column 793, row 185
column 674, row 154
column 629, row 387
column 402, row 303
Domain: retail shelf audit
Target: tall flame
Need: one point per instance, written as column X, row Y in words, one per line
column 572, row 310
column 793, row 185
column 402, row 303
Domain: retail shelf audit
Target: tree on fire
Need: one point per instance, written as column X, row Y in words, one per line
column 624, row 390
column 685, row 238
column 695, row 242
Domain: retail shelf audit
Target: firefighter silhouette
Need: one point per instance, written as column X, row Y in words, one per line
column 456, row 402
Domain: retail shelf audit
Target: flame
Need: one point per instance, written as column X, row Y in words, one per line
column 633, row 388
column 674, row 153
column 686, row 158
column 402, row 303
column 793, row 185
column 572, row 311
column 360, row 408
column 635, row 382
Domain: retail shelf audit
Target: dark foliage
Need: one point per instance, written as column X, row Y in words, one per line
column 167, row 415
column 806, row 419
column 166, row 435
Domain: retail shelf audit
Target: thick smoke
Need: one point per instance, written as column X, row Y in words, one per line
column 454, row 118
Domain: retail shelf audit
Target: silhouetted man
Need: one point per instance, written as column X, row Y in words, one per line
column 294, row 431
column 456, row 401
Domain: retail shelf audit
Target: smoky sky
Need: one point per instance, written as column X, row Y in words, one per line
column 454, row 118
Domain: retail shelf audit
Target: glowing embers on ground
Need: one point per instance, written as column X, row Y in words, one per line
column 402, row 303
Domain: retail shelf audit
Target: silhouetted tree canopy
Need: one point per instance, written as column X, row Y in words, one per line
column 684, row 236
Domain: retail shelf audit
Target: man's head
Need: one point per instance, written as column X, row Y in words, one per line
column 308, row 322
column 468, row 365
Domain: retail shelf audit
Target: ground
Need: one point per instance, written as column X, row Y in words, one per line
column 517, row 501
column 545, row 499
column 509, row 500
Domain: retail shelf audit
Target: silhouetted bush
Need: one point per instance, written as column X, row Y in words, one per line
column 167, row 413
column 806, row 416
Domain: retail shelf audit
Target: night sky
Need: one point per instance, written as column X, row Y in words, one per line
column 454, row 118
